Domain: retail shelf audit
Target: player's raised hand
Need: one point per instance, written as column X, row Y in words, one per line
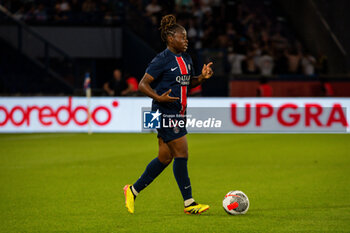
column 207, row 72
column 165, row 97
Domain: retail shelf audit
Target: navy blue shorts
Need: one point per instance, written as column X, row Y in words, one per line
column 169, row 131
column 169, row 134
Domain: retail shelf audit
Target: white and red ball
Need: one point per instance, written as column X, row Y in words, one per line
column 236, row 202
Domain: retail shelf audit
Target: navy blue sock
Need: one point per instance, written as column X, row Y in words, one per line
column 182, row 179
column 153, row 169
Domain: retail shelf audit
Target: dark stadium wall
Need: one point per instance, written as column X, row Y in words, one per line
column 98, row 50
column 82, row 42
column 309, row 24
column 136, row 54
column 336, row 13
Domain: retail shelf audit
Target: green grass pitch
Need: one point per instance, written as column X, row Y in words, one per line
column 73, row 183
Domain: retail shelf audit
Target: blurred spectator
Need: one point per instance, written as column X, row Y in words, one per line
column 294, row 61
column 230, row 31
column 109, row 18
column 185, row 3
column 192, row 33
column 30, row 16
column 221, row 41
column 117, row 86
column 327, row 88
column 153, row 11
column 308, row 63
column 62, row 10
column 248, row 64
column 20, row 13
column 88, row 11
column 281, row 63
column 279, row 42
column 40, row 13
column 265, row 39
column 322, row 63
column 241, row 45
column 264, row 90
column 235, row 60
column 133, row 85
column 197, row 13
column 256, row 52
column 64, row 6
column 204, row 7
column 265, row 64
column 89, row 6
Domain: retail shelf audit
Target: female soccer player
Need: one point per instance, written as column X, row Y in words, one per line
column 166, row 81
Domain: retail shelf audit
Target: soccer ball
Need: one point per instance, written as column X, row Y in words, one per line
column 236, row 202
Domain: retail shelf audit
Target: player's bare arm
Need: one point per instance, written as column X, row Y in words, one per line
column 207, row 72
column 146, row 89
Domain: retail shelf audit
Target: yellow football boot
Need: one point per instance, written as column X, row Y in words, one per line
column 196, row 208
column 129, row 198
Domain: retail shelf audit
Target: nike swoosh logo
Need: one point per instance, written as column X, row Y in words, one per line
column 186, row 187
column 172, row 69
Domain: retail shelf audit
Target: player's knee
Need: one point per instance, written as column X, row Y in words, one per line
column 181, row 154
column 167, row 160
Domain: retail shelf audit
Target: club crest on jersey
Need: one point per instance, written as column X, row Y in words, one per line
column 176, row 130
column 184, row 80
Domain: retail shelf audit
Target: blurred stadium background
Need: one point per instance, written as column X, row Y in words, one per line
column 300, row 47
column 70, row 182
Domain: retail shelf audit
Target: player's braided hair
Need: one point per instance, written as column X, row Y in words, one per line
column 168, row 26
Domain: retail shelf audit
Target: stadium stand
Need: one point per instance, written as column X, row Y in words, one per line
column 247, row 39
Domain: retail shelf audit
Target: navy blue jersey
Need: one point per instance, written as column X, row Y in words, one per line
column 171, row 71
